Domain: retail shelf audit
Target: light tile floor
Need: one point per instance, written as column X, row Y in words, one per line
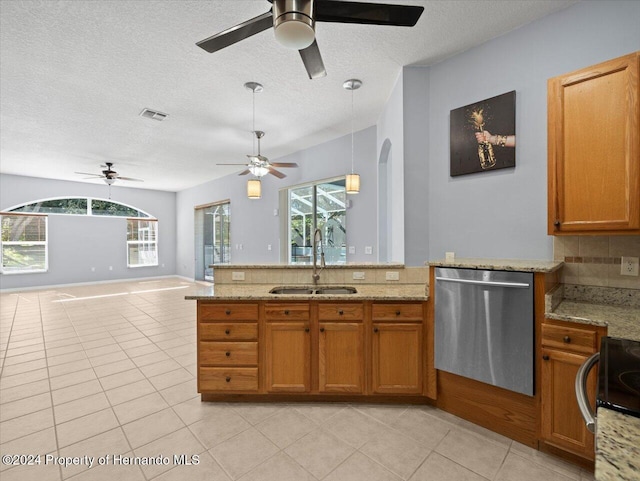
column 109, row 370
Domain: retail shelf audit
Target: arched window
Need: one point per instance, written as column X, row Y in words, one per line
column 80, row 206
column 24, row 244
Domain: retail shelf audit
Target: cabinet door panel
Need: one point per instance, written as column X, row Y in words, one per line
column 594, row 151
column 288, row 356
column 562, row 423
column 397, row 358
column 341, row 357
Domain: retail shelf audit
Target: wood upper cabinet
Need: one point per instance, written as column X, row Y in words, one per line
column 288, row 356
column 341, row 357
column 594, row 149
column 564, row 349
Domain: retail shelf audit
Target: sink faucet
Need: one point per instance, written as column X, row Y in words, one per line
column 317, row 239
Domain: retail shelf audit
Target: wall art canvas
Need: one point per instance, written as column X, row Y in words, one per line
column 483, row 135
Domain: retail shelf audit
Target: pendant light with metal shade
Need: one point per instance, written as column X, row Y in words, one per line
column 352, row 179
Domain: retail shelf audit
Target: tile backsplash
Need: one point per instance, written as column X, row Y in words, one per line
column 595, row 260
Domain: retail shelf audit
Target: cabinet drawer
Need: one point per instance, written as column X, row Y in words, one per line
column 226, row 311
column 569, row 339
column 228, row 379
column 228, row 331
column 287, row 312
column 340, row 311
column 397, row 312
column 229, row 353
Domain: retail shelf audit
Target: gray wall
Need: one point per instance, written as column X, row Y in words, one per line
column 390, row 126
column 253, row 223
column 500, row 213
column 78, row 243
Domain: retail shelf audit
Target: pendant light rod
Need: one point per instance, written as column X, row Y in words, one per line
column 256, row 88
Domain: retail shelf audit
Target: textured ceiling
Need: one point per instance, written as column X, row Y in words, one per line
column 74, row 75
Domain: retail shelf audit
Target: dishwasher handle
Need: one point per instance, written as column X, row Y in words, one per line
column 581, row 391
column 520, row 285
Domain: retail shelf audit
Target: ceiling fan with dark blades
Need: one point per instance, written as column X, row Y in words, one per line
column 259, row 165
column 108, row 175
column 294, row 25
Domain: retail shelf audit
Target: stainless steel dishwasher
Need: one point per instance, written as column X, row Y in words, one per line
column 484, row 326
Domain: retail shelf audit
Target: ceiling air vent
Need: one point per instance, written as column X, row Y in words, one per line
column 153, row 114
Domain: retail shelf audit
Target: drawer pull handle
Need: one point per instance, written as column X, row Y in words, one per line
column 398, row 312
column 227, row 332
column 566, row 339
column 227, row 354
column 341, row 312
column 306, row 329
column 227, row 312
column 228, row 379
column 286, row 312
column 545, row 357
column 322, row 329
column 375, row 329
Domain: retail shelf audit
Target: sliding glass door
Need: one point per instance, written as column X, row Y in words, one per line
column 321, row 206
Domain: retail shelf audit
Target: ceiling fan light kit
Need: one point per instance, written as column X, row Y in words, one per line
column 293, row 23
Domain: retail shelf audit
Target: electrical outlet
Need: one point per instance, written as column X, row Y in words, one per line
column 368, row 250
column 268, row 247
column 393, row 276
column 352, row 249
column 358, row 276
column 237, row 276
column 93, row 269
column 629, row 266
column 110, row 268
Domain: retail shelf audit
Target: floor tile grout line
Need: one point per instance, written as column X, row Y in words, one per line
column 13, row 320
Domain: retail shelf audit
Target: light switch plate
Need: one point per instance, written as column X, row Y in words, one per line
column 237, row 276
column 358, row 276
column 629, row 266
column 352, row 249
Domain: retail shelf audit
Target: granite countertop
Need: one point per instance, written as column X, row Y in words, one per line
column 616, row 309
column 519, row 265
column 617, row 446
column 260, row 292
column 239, row 267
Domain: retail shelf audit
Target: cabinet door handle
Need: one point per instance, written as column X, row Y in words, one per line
column 286, row 312
column 375, row 329
column 306, row 329
column 322, row 329
column 227, row 354
column 227, row 332
column 340, row 311
column 545, row 357
column 556, row 223
column 398, row 312
column 566, row 339
column 227, row 312
column 228, row 379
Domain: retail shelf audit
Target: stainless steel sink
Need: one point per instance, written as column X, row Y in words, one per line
column 336, row 290
column 339, row 290
column 291, row 290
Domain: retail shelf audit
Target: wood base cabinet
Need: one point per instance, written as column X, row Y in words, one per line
column 313, row 350
column 565, row 347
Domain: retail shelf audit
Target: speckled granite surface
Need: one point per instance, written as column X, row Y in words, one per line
column 617, row 446
column 239, row 267
column 617, row 309
column 501, row 264
column 260, row 292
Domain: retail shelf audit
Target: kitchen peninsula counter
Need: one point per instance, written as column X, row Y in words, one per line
column 260, row 292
